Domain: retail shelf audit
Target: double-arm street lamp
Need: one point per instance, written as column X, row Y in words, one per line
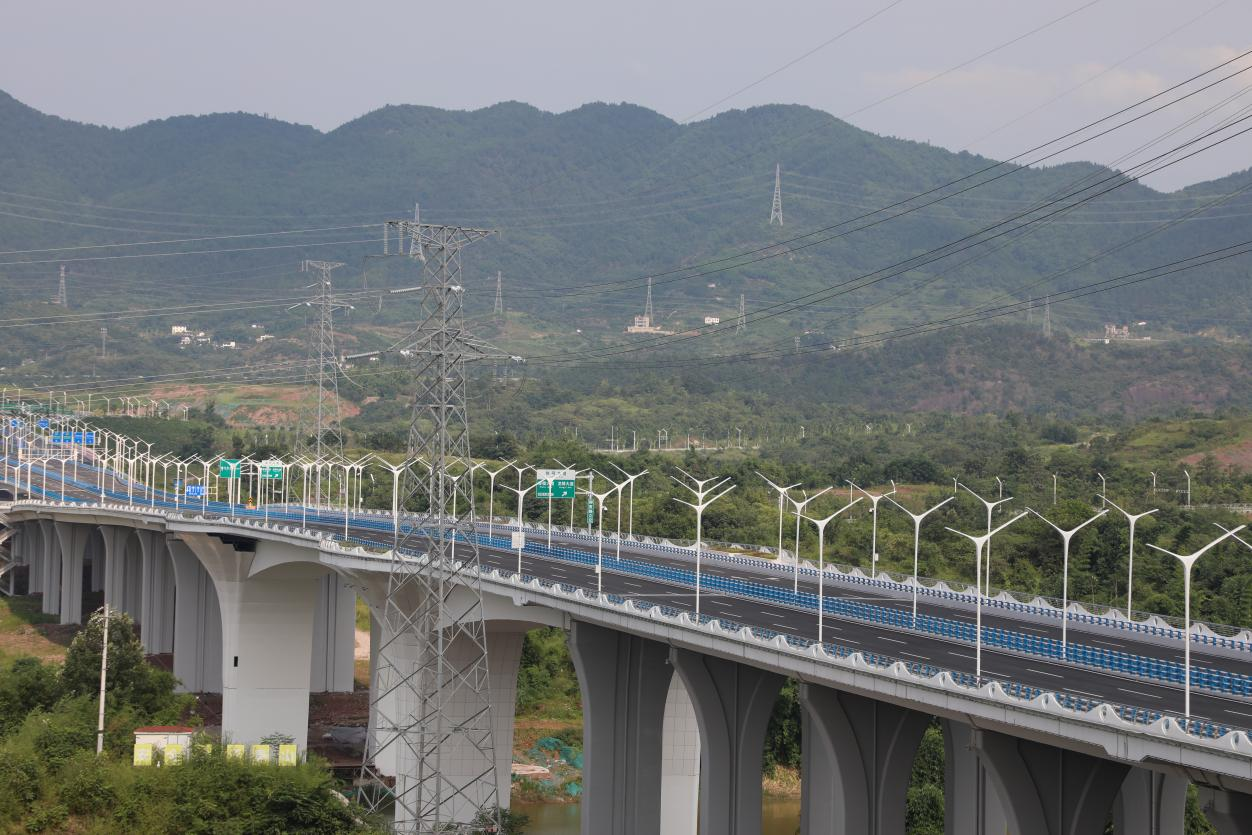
column 917, row 538
column 821, row 571
column 874, row 500
column 1132, row 519
column 1066, row 537
column 991, row 506
column 980, row 542
column 704, row 492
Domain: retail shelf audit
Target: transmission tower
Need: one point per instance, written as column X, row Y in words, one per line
column 432, row 701
column 61, row 298
column 775, row 209
column 499, row 308
column 1030, row 310
column 104, row 341
column 321, row 433
column 741, row 324
column 1047, row 316
column 647, row 305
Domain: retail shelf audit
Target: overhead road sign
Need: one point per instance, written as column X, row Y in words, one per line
column 271, row 468
column 554, row 484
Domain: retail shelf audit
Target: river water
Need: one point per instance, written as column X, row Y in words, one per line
column 779, row 816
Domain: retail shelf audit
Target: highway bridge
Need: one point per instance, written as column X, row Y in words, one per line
column 258, row 604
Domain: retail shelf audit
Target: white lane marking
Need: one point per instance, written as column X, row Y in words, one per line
column 1240, row 712
column 914, row 655
column 1139, row 693
column 1107, row 643
column 959, row 654
column 892, row 640
column 1043, row 672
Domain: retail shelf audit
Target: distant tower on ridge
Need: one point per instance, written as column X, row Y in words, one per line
column 1047, row 316
column 499, row 308
column 647, row 305
column 60, row 296
column 775, row 209
column 741, row 323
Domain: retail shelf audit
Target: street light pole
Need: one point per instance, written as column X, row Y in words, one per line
column 874, row 500
column 917, row 537
column 991, row 506
column 1133, row 519
column 821, row 571
column 1188, row 561
column 701, row 495
column 630, row 482
column 799, row 513
column 782, row 493
column 1066, row 537
column 980, row 542
column 491, row 495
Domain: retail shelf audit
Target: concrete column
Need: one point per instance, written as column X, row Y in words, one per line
column 334, row 636
column 132, row 587
column 97, row 570
column 459, row 761
column 157, row 594
column 197, row 641
column 971, row 806
column 1049, row 791
column 733, row 703
column 50, row 585
column 624, row 681
column 680, row 763
column 1229, row 812
column 1150, row 803
column 114, row 537
column 858, row 758
column 73, row 540
column 267, row 591
column 33, row 543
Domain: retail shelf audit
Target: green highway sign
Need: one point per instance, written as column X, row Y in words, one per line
column 591, row 512
column 228, row 468
column 271, row 469
column 554, row 484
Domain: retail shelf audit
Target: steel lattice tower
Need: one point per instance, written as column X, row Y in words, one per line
column 741, row 324
column 647, row 305
column 61, row 297
column 432, row 701
column 498, row 311
column 775, row 209
column 325, row 434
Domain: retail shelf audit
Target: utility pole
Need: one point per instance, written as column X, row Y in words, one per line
column 775, row 209
column 433, row 699
column 741, row 324
column 498, row 311
column 326, row 435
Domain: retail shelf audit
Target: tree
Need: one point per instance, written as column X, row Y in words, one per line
column 130, row 679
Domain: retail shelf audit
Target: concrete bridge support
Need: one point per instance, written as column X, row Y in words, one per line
column 625, row 681
column 1150, row 803
column 197, row 640
column 971, row 805
column 858, row 758
column 157, row 594
column 50, row 584
column 733, row 703
column 1047, row 790
column 267, row 592
column 680, row 763
column 114, row 563
column 334, row 636
column 31, row 543
column 1229, row 812
column 73, row 541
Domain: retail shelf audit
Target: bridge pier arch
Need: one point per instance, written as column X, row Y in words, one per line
column 1230, row 812
column 1150, row 803
column 334, row 636
column 197, row 639
column 31, row 543
column 858, row 760
column 733, row 703
column 266, row 591
column 50, row 581
column 1046, row 790
column 157, row 597
column 72, row 538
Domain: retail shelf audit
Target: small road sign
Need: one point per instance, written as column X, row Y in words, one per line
column 519, row 539
column 591, row 512
column 195, row 491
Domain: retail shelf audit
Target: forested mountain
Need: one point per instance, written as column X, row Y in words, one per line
column 601, row 194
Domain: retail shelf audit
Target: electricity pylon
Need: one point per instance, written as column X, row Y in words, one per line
column 775, row 209
column 61, row 297
column 498, row 311
column 647, row 305
column 324, row 436
column 432, row 699
column 741, row 324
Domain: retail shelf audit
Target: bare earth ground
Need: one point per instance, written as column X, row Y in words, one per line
column 1236, row 455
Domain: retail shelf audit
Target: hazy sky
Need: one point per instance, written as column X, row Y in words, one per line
column 324, row 63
